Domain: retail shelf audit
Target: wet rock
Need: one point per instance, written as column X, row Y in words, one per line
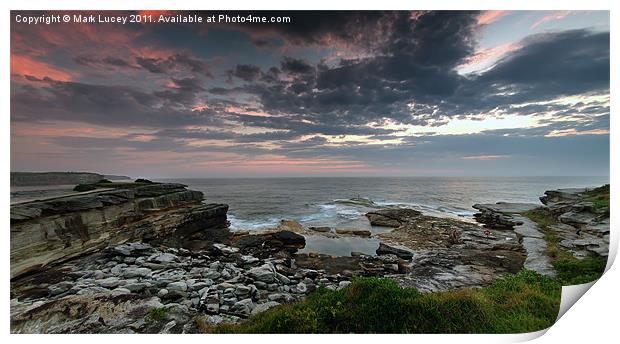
column 320, row 229
column 500, row 215
column 291, row 226
column 353, row 231
column 399, row 252
column 391, row 217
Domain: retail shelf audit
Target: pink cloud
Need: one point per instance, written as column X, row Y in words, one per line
column 554, row 16
column 485, row 57
column 488, row 17
column 24, row 65
column 575, row 132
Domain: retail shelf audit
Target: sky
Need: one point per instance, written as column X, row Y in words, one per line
column 406, row 93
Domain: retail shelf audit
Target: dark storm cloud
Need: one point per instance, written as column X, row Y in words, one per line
column 104, row 62
column 362, row 28
column 420, row 70
column 108, row 105
column 174, row 62
column 245, row 72
column 296, row 66
column 359, row 91
column 184, row 91
column 548, row 66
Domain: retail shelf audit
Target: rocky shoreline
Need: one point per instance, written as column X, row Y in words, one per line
column 156, row 259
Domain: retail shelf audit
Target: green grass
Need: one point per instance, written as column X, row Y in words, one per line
column 523, row 302
column 156, row 314
column 570, row 270
column 600, row 198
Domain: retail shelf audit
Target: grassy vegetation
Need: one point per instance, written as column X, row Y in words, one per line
column 523, row 302
column 600, row 198
column 570, row 270
column 156, row 314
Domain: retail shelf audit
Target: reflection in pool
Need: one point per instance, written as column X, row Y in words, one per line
column 342, row 246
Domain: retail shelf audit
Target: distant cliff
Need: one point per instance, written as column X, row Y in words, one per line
column 53, row 178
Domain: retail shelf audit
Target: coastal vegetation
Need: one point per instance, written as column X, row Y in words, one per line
column 523, row 302
column 156, row 314
column 599, row 198
column 571, row 270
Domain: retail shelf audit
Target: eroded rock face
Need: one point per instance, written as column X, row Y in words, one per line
column 500, row 215
column 53, row 230
column 581, row 229
column 441, row 254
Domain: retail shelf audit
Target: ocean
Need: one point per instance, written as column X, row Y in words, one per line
column 342, row 202
column 256, row 204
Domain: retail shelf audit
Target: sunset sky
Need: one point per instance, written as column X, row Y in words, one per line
column 329, row 94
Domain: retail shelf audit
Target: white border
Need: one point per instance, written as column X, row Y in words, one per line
column 592, row 319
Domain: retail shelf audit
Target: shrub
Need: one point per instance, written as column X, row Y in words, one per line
column 143, row 181
column 156, row 314
column 84, row 187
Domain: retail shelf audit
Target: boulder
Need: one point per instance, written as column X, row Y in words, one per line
column 242, row 308
column 399, row 252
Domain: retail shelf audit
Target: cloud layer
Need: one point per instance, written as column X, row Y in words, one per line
column 378, row 92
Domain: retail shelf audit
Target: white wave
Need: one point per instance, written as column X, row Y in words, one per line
column 237, row 224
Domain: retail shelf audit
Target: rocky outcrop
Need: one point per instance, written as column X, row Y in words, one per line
column 269, row 243
column 560, row 200
column 575, row 220
column 500, row 215
column 445, row 253
column 508, row 216
column 53, row 178
column 582, row 228
column 54, row 230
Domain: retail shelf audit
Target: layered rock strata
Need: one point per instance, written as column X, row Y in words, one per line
column 53, row 230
